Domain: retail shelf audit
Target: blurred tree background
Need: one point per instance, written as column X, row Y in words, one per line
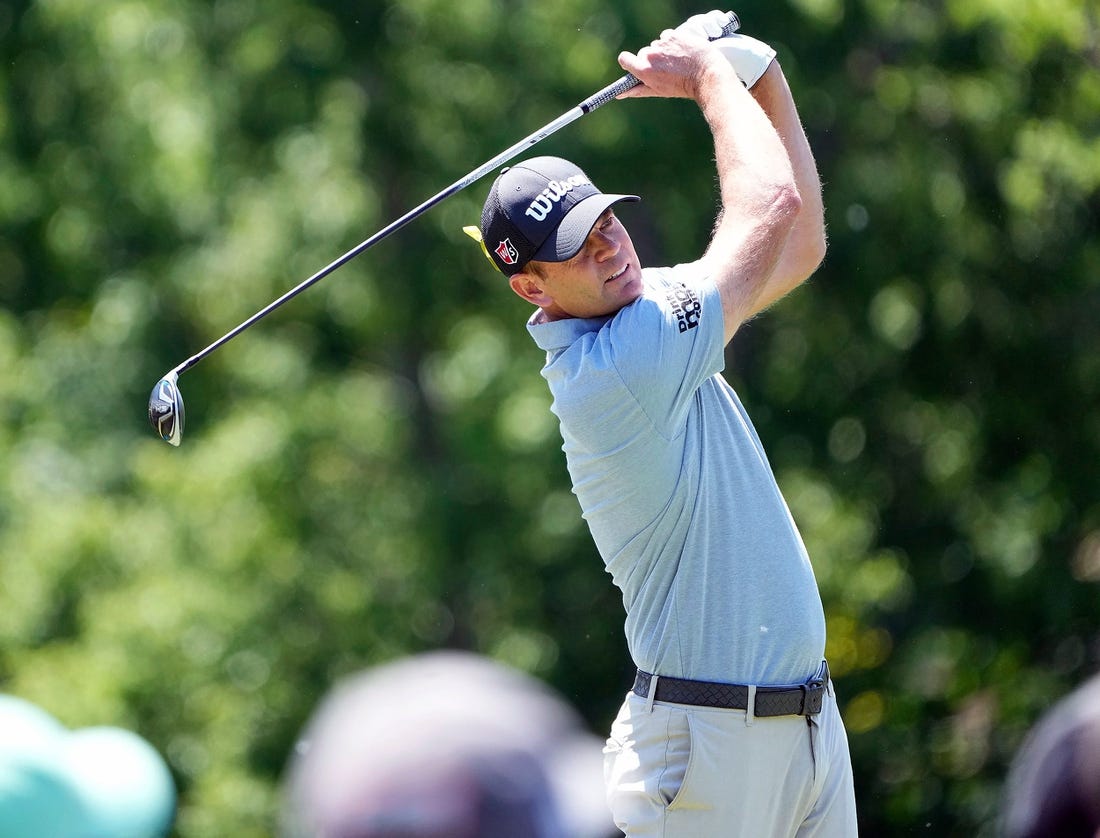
column 373, row 470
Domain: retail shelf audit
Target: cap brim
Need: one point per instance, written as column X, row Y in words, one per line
column 566, row 241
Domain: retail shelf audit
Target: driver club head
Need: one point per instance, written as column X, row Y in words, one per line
column 166, row 409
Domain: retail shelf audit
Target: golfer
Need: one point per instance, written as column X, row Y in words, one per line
column 732, row 727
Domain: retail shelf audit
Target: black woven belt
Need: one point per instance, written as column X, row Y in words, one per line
column 803, row 700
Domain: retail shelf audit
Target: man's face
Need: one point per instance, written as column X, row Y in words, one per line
column 603, row 277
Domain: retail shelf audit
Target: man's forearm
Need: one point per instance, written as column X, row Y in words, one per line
column 760, row 200
column 750, row 153
column 805, row 247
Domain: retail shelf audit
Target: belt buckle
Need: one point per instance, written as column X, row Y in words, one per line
column 814, row 689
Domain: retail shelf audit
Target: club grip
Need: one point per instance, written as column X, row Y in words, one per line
column 629, row 80
column 731, row 27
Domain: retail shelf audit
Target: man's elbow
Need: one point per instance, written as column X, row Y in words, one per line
column 813, row 252
column 808, row 243
column 781, row 219
column 788, row 202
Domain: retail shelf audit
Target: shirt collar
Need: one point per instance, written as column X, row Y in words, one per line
column 558, row 334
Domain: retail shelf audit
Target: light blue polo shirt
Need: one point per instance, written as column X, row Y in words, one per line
column 677, row 491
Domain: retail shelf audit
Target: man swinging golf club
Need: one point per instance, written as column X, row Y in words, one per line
column 732, row 727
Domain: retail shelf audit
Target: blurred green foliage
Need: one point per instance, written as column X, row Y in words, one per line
column 374, row 470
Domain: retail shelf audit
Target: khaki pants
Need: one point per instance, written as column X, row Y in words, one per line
column 678, row 771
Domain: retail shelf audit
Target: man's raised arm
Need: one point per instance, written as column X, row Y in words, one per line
column 759, row 191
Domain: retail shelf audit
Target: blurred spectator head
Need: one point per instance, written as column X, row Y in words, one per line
column 1053, row 787
column 445, row 744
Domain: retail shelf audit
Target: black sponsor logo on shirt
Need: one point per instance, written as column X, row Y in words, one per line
column 686, row 305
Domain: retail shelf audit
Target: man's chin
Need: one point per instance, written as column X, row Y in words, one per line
column 632, row 288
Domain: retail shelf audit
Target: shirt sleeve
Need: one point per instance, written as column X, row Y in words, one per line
column 668, row 342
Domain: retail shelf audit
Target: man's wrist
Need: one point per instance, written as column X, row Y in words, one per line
column 713, row 73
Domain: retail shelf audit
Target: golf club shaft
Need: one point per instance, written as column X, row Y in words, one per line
column 590, row 104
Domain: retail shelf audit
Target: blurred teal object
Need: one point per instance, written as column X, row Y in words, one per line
column 96, row 782
column 125, row 786
column 36, row 796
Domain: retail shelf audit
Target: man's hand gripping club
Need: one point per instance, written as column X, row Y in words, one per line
column 748, row 57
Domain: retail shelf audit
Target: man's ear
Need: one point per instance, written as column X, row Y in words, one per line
column 529, row 286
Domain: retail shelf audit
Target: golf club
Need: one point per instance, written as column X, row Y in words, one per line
column 166, row 402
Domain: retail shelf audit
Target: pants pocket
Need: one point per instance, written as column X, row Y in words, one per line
column 675, row 785
column 646, row 764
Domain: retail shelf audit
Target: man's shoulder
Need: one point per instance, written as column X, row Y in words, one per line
column 657, row 278
column 676, row 293
column 671, row 295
